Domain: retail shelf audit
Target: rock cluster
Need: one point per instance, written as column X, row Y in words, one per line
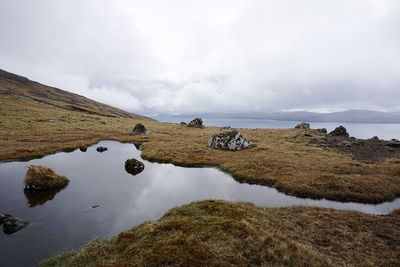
column 339, row 132
column 133, row 166
column 139, row 129
column 303, row 125
column 12, row 224
column 231, row 140
column 43, row 178
column 196, row 123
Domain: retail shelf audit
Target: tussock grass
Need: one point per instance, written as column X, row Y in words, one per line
column 218, row 233
column 41, row 178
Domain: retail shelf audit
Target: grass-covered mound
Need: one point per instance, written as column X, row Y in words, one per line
column 43, row 178
column 218, row 233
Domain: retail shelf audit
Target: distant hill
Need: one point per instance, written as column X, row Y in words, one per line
column 19, row 87
column 352, row 116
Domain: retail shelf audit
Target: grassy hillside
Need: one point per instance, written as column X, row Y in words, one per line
column 218, row 233
column 17, row 88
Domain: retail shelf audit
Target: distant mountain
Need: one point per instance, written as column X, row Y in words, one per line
column 354, row 116
column 16, row 87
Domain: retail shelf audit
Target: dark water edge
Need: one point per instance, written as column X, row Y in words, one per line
column 66, row 219
column 385, row 131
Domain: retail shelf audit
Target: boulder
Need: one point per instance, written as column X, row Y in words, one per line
column 139, row 129
column 12, row 224
column 183, row 123
column 101, row 149
column 339, row 132
column 196, row 123
column 231, row 140
column 133, row 166
column 303, row 125
column 43, row 178
column 83, row 149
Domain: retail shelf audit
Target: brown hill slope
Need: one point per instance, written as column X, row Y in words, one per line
column 18, row 87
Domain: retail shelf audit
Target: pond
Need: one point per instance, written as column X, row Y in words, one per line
column 102, row 199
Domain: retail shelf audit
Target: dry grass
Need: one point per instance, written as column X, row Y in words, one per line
column 40, row 177
column 218, row 233
column 281, row 158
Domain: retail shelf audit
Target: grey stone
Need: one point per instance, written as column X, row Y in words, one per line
column 139, row 129
column 196, row 123
column 231, row 140
column 303, row 125
column 340, row 132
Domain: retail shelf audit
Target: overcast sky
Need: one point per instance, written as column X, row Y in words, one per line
column 210, row 56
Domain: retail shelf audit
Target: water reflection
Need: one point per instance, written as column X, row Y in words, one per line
column 35, row 198
column 67, row 219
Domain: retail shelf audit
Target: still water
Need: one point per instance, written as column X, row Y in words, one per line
column 66, row 219
column 385, row 131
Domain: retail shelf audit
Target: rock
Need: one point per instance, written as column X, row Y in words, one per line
column 375, row 138
column 183, row 123
column 12, row 224
column 101, row 149
column 83, row 149
column 303, row 125
column 139, row 129
column 322, row 130
column 43, row 178
column 340, row 132
column 196, row 123
column 231, row 140
column 133, row 166
column 95, row 206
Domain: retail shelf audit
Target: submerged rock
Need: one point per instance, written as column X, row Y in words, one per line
column 12, row 224
column 339, row 132
column 303, row 125
column 196, row 123
column 133, row 166
column 101, row 149
column 43, row 178
column 139, row 129
column 231, row 140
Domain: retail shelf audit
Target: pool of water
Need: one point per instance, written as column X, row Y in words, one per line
column 66, row 219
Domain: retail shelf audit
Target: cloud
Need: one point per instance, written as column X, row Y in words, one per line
column 188, row 56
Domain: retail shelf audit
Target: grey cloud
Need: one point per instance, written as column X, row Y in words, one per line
column 199, row 56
